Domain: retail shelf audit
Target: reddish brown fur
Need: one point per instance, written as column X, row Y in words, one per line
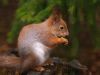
column 48, row 34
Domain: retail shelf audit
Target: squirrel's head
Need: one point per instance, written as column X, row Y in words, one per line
column 58, row 27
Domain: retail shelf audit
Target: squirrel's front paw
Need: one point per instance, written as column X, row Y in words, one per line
column 64, row 40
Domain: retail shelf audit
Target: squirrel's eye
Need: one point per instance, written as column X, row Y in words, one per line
column 61, row 27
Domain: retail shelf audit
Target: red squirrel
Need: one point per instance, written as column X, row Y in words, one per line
column 36, row 41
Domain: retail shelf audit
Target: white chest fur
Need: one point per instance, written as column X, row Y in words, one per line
column 40, row 51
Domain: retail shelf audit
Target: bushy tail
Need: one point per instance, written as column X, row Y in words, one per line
column 11, row 62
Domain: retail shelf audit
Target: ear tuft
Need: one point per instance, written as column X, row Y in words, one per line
column 56, row 11
column 56, row 14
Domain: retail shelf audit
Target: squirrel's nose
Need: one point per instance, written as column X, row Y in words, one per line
column 66, row 33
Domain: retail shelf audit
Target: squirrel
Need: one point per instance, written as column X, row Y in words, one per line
column 36, row 41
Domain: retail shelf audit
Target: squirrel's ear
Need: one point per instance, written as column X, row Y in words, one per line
column 56, row 14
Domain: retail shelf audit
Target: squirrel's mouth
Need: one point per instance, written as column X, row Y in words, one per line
column 62, row 37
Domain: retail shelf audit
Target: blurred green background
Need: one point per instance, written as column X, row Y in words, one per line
column 81, row 16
